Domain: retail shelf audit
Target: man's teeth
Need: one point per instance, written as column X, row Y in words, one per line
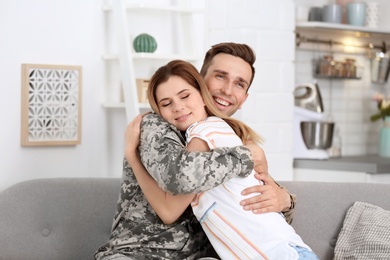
column 222, row 102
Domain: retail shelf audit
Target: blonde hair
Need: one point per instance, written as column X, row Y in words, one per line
column 189, row 73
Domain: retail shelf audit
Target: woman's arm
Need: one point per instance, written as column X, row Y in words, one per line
column 179, row 171
column 167, row 206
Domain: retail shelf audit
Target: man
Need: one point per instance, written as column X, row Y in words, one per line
column 137, row 232
column 228, row 71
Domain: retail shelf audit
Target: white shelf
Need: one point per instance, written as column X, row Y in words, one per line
column 153, row 56
column 146, row 7
column 341, row 37
column 341, row 27
column 343, row 30
column 128, row 60
column 122, row 105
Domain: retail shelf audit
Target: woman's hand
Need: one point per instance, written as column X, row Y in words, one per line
column 272, row 198
column 132, row 136
column 258, row 157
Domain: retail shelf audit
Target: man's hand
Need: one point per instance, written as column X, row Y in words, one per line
column 272, row 198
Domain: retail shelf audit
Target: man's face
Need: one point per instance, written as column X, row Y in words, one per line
column 228, row 80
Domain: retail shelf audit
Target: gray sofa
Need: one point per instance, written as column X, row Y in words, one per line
column 69, row 218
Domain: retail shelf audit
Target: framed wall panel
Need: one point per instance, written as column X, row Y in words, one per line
column 51, row 105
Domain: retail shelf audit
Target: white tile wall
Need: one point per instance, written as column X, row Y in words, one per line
column 268, row 28
column 348, row 101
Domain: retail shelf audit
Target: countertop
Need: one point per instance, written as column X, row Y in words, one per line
column 361, row 163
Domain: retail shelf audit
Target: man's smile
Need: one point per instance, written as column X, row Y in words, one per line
column 222, row 102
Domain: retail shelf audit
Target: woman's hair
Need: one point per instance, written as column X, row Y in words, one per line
column 189, row 73
column 239, row 50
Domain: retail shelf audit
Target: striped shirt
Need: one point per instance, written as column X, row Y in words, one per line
column 233, row 232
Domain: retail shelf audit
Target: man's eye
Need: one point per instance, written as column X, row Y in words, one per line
column 241, row 85
column 220, row 76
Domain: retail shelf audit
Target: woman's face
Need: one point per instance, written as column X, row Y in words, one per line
column 180, row 103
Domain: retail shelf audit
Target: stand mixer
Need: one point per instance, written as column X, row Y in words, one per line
column 312, row 135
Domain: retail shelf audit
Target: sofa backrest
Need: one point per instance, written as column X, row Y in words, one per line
column 322, row 206
column 70, row 218
column 56, row 218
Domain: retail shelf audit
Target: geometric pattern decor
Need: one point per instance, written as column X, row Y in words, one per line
column 51, row 105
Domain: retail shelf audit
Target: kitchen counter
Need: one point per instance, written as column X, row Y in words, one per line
column 372, row 164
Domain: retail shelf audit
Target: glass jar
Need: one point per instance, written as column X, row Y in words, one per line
column 338, row 70
column 350, row 68
column 326, row 66
column 335, row 150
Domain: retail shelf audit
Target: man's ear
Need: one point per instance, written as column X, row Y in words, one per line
column 242, row 103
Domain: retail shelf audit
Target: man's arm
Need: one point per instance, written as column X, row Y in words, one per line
column 179, row 171
column 273, row 198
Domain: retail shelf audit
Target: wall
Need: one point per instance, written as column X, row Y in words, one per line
column 268, row 28
column 72, row 32
column 51, row 32
column 347, row 102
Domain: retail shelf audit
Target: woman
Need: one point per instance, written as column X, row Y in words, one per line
column 137, row 231
column 175, row 92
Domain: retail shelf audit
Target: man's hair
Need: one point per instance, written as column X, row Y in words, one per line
column 240, row 50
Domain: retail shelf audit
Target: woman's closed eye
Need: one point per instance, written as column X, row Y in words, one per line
column 165, row 104
column 185, row 96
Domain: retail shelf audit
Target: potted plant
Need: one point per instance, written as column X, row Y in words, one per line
column 384, row 113
column 383, row 107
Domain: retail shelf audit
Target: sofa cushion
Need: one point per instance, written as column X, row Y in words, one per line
column 321, row 208
column 365, row 233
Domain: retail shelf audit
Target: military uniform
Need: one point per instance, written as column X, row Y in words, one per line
column 137, row 231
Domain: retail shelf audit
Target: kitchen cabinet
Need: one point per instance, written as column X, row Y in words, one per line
column 124, row 66
column 363, row 168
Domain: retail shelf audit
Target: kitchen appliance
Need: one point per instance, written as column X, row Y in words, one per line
column 380, row 67
column 312, row 134
column 308, row 96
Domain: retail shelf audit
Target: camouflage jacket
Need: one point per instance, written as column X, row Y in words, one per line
column 137, row 231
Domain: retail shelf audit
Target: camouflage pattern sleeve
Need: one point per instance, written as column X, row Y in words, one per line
column 288, row 214
column 179, row 171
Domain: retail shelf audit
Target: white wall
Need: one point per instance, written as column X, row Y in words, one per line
column 72, row 32
column 51, row 32
column 268, row 27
